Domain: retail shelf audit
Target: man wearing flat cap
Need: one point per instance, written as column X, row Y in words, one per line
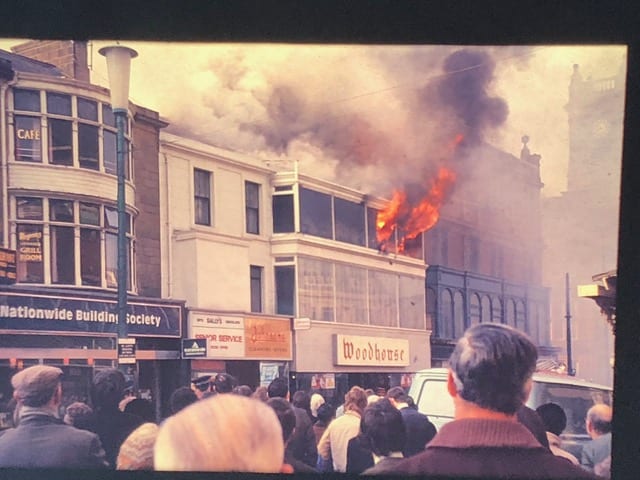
column 41, row 439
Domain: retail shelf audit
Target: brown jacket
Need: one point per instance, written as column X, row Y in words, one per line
column 488, row 448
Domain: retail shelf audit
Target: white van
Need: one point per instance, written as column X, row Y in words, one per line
column 429, row 392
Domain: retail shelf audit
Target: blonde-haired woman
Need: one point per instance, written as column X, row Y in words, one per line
column 223, row 433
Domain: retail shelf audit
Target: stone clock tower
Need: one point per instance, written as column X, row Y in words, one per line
column 580, row 226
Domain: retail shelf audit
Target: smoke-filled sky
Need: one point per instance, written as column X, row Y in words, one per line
column 369, row 116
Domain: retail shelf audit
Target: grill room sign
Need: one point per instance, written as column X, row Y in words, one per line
column 368, row 351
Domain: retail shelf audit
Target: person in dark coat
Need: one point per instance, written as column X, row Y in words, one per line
column 419, row 430
column 530, row 419
column 384, row 428
column 111, row 425
column 490, row 377
column 41, row 439
column 302, row 444
column 359, row 455
column 287, row 419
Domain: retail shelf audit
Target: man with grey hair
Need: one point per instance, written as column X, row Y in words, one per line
column 41, row 439
column 598, row 423
column 489, row 379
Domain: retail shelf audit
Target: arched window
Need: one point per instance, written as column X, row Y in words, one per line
column 510, row 317
column 485, row 314
column 445, row 317
column 474, row 309
column 534, row 321
column 458, row 314
column 496, row 310
column 521, row 319
column 432, row 301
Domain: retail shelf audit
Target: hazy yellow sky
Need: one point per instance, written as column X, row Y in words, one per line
column 293, row 101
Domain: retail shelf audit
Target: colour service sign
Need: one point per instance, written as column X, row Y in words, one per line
column 230, row 336
column 68, row 314
column 368, row 351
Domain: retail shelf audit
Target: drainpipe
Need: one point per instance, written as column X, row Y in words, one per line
column 4, row 161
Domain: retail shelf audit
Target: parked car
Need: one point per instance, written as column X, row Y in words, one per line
column 575, row 396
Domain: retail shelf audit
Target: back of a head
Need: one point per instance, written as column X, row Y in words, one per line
column 222, row 433
column 384, row 428
column 398, row 394
column 76, row 413
column 301, row 400
column 553, row 417
column 355, row 400
column 286, row 415
column 244, row 390
column 136, row 452
column 325, row 413
column 315, row 402
column 600, row 416
column 278, row 387
column 224, row 383
column 107, row 389
column 261, row 393
column 35, row 386
column 181, row 397
column 491, row 366
column 142, row 408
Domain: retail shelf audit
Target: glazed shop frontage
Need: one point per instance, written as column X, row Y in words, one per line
column 77, row 332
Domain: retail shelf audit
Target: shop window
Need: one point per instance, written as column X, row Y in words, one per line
column 383, row 299
column 73, row 245
column 350, row 221
column 283, row 219
column 431, row 309
column 109, row 153
column 372, row 240
column 58, row 104
column 285, row 290
column 28, row 138
column 252, row 207
column 316, row 289
column 30, row 268
column 60, row 142
column 351, row 294
column 87, row 109
column 255, row 276
column 202, row 196
column 88, row 146
column 62, row 255
column 411, row 302
column 315, row 213
column 26, row 100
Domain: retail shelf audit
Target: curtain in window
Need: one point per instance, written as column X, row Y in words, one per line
column 351, row 294
column 383, row 303
column 316, row 289
column 412, row 307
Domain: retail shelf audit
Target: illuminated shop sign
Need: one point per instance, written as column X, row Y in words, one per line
column 368, row 351
column 20, row 311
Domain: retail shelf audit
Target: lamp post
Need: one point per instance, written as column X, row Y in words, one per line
column 118, row 67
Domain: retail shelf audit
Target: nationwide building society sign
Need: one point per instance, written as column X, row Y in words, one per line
column 20, row 311
column 194, row 347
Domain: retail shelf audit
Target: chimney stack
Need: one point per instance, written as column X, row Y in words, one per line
column 69, row 56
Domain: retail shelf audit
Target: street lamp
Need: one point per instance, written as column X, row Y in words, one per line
column 118, row 67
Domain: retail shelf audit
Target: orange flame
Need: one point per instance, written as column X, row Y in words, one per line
column 411, row 220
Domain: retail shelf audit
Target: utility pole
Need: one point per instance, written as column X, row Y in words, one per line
column 570, row 369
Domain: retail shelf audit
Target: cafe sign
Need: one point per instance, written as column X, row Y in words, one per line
column 358, row 350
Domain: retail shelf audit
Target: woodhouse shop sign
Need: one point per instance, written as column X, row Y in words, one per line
column 367, row 351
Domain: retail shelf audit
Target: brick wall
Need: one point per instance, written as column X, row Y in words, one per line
column 69, row 56
column 146, row 132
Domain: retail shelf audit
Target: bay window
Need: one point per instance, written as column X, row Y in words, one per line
column 69, row 242
column 66, row 130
